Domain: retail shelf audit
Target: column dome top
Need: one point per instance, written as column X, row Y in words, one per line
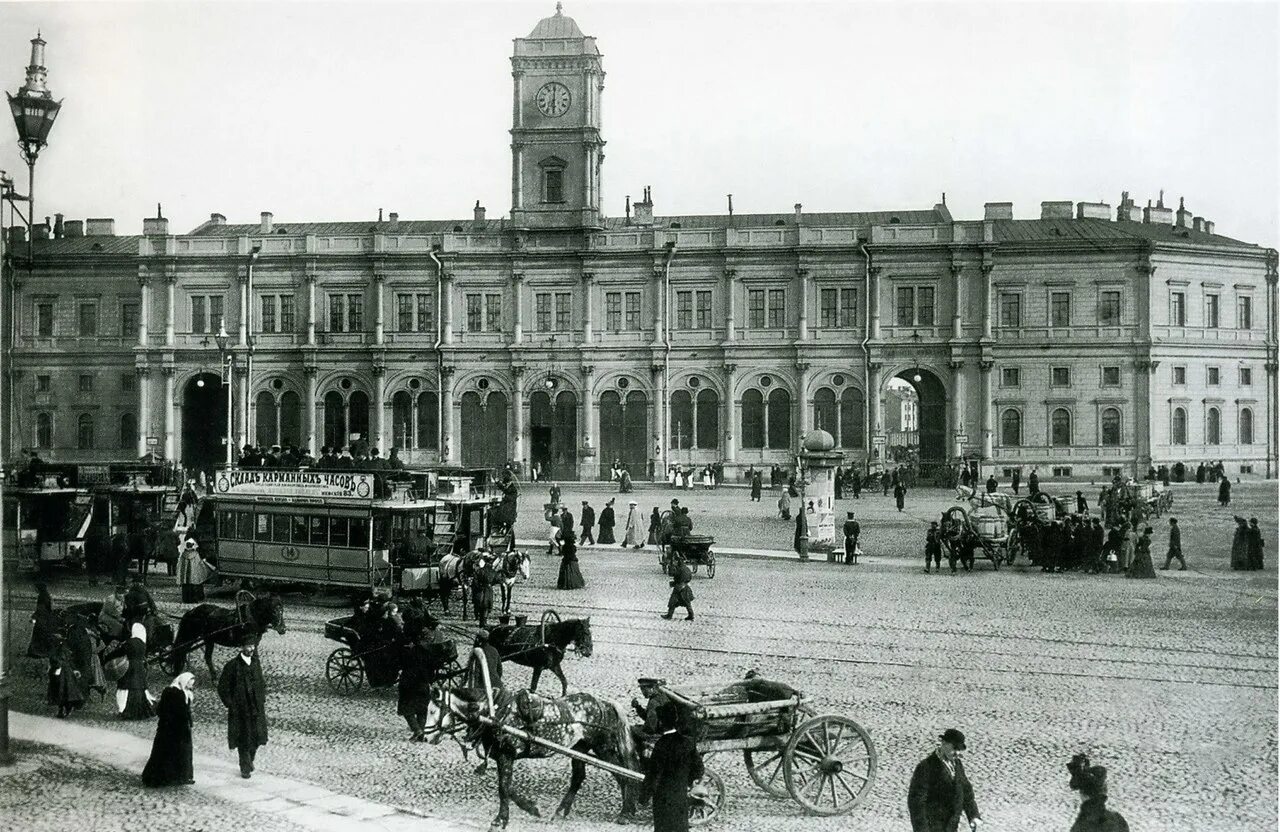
column 819, row 441
column 556, row 27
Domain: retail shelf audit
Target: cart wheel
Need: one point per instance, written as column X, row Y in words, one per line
column 765, row 767
column 344, row 671
column 829, row 765
column 706, row 799
column 711, row 565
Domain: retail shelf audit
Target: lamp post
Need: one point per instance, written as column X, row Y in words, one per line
column 228, row 360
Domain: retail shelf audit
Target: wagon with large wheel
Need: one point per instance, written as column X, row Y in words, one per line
column 1027, row 521
column 372, row 658
column 986, row 529
column 693, row 550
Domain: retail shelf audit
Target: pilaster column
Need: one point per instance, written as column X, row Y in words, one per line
column 144, row 315
column 806, row 416
column 243, row 278
column 311, row 312
column 591, row 412
column 1146, row 272
column 659, row 420
column 517, row 437
column 659, row 305
column 452, row 449
column 171, row 308
column 380, row 425
column 988, row 301
column 802, row 275
column 873, row 410
column 957, row 405
column 731, row 304
column 168, row 413
column 730, row 414
column 313, row 446
column 873, row 298
column 446, row 302
column 957, row 291
column 379, row 282
column 988, row 410
column 144, row 408
column 517, row 307
column 1144, row 416
column 588, row 306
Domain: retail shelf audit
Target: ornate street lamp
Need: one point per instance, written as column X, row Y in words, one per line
column 228, row 360
column 34, row 112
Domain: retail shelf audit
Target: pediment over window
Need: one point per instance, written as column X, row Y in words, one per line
column 552, row 162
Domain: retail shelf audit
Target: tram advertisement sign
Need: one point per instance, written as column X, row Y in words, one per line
column 297, row 483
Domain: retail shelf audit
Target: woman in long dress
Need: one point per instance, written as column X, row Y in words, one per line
column 784, row 505
column 570, row 575
column 634, row 535
column 755, row 487
column 66, row 685
column 1142, row 566
column 1126, row 547
column 655, row 527
column 607, row 522
column 170, row 760
column 192, row 573
column 1240, row 545
column 85, row 645
column 44, row 625
column 132, row 699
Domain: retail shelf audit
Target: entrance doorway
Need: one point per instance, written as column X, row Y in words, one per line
column 931, row 419
column 624, row 430
column 553, row 434
column 484, row 429
column 204, row 423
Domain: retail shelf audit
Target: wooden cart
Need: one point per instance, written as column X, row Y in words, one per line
column 990, row 530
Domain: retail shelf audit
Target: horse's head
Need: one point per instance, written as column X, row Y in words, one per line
column 269, row 612
column 445, row 714
column 522, row 564
column 582, row 636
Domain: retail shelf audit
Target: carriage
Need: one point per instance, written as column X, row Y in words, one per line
column 989, row 529
column 1134, row 502
column 1027, row 519
column 693, row 550
column 376, row 659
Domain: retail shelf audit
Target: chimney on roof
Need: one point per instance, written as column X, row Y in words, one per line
column 395, row 220
column 99, row 227
column 156, row 226
column 57, row 227
column 998, row 211
column 628, row 222
column 1184, row 216
column 1093, row 211
column 1159, row 215
column 264, row 226
column 1208, row 227
column 74, row 229
column 478, row 212
column 1197, row 223
column 17, row 234
column 1055, row 210
column 379, row 215
column 644, row 208
column 799, row 213
column 217, row 219
column 40, row 231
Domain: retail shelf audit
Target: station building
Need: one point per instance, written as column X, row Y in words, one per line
column 1084, row 340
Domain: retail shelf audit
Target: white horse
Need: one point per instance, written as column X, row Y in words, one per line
column 514, row 567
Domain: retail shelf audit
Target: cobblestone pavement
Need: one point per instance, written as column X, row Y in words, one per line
column 1169, row 683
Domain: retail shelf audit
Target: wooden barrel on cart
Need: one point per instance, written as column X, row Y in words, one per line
column 991, row 526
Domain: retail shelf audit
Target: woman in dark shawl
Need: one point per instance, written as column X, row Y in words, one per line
column 1224, row 491
column 1142, row 566
column 1240, row 545
column 1091, row 782
column 44, row 625
column 570, row 574
column 1256, row 544
column 85, row 644
column 66, row 686
column 170, row 760
column 655, row 527
column 132, row 699
column 755, row 486
column 607, row 522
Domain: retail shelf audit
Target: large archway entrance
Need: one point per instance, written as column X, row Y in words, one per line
column 624, row 429
column 204, row 422
column 553, row 434
column 484, row 429
column 930, row 403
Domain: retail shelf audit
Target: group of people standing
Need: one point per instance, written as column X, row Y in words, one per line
column 1247, row 545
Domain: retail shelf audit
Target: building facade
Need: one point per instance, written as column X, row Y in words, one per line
column 1084, row 341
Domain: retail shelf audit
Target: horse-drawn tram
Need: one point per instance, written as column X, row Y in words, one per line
column 47, row 517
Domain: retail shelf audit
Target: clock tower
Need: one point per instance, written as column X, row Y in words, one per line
column 556, row 149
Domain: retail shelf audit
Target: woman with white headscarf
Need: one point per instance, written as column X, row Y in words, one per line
column 132, row 700
column 170, row 760
column 192, row 572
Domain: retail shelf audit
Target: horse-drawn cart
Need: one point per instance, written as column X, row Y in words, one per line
column 987, row 530
column 373, row 657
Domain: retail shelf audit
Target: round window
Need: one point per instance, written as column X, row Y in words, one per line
column 414, row 384
column 765, row 381
column 483, row 384
column 623, row 383
column 278, row 384
column 837, row 379
column 695, row 382
column 346, row 384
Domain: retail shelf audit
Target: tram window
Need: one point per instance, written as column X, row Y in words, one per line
column 299, row 528
column 337, row 531
column 359, row 534
column 244, row 525
column 380, row 527
column 280, row 528
column 319, row 531
column 227, row 525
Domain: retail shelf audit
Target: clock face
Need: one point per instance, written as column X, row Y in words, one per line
column 553, row 99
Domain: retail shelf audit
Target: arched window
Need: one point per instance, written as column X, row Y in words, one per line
column 290, row 418
column 1060, row 427
column 826, row 415
column 1110, row 428
column 1011, row 428
column 1179, row 426
column 752, row 419
column 267, row 433
column 852, row 418
column 681, row 428
column 1213, row 427
column 778, row 418
column 1246, row 426
column 335, row 420
column 428, row 421
column 84, row 432
column 128, row 432
column 44, row 430
column 358, row 415
column 706, row 419
column 402, row 420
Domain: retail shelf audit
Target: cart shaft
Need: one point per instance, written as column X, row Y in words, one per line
column 563, row 749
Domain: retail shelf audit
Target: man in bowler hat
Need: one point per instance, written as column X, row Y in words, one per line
column 244, row 692
column 940, row 791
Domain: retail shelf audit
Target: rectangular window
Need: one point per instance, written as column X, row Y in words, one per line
column 1211, row 376
column 777, row 309
column 1010, row 377
column 1246, row 376
column 1060, row 309
column 337, row 313
column 404, row 313
column 199, row 318
column 44, row 320
column 564, row 311
column 493, row 313
column 684, row 310
column 924, row 306
column 755, row 308
column 338, row 531
column 1061, row 471
column 542, row 311
column 128, row 382
column 355, row 313
column 426, row 312
column 286, row 313
column 1244, row 312
column 474, row 311
column 633, row 310
column 828, row 304
column 1110, row 376
column 1060, row 377
column 704, row 310
column 1109, row 309
column 1010, row 310
column 1211, row 311
column 215, row 313
column 262, row 528
column 1179, row 375
column 244, row 525
column 86, row 383
column 554, row 182
column 44, row 384
column 319, row 530
column 129, row 317
column 906, row 305
column 613, row 311
column 267, row 312
column 848, row 307
column 88, row 320
column 1178, row 309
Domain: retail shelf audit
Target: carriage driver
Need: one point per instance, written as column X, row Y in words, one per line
column 650, row 689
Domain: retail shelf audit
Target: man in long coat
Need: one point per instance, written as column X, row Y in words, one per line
column 940, row 791
column 243, row 691
column 633, row 534
column 606, row 523
column 588, row 521
column 674, row 766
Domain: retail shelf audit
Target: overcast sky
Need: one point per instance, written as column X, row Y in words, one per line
column 332, row 111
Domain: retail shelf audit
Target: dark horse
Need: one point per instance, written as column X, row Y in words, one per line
column 581, row 722
column 159, row 632
column 211, row 625
column 542, row 647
